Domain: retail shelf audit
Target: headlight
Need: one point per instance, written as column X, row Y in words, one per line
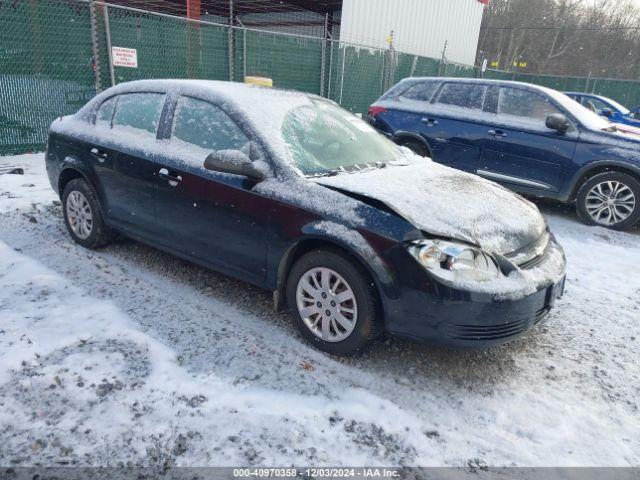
column 451, row 262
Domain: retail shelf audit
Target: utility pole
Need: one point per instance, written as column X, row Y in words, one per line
column 443, row 61
column 231, row 42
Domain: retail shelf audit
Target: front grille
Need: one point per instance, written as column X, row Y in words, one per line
column 535, row 261
column 486, row 332
column 540, row 314
column 532, row 255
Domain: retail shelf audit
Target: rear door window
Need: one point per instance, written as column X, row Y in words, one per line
column 421, row 92
column 462, row 95
column 204, row 125
column 139, row 111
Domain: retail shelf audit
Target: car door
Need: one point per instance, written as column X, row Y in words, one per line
column 123, row 159
column 452, row 124
column 518, row 149
column 211, row 217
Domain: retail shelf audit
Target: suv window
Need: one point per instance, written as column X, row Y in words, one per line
column 105, row 112
column 463, row 95
column 595, row 105
column 203, row 124
column 525, row 106
column 422, row 92
column 139, row 110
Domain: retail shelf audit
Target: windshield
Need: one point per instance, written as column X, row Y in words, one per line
column 586, row 117
column 324, row 138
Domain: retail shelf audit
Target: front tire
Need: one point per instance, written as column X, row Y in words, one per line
column 610, row 199
column 83, row 216
column 334, row 302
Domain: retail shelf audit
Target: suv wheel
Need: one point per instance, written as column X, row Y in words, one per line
column 416, row 147
column 83, row 216
column 334, row 302
column 610, row 199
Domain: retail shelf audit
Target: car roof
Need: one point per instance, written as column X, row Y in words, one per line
column 486, row 81
column 230, row 91
column 583, row 94
column 260, row 105
column 264, row 108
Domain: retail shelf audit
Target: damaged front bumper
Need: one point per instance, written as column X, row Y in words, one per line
column 430, row 311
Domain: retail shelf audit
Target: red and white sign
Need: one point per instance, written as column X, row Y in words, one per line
column 124, row 57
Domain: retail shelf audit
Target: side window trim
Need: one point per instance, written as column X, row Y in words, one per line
column 113, row 112
column 491, row 99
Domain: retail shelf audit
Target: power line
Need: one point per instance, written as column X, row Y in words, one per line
column 581, row 29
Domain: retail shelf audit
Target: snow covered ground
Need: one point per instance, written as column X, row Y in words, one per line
column 128, row 355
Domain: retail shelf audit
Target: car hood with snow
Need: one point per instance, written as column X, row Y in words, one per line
column 445, row 202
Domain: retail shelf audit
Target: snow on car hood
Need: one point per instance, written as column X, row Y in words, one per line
column 449, row 203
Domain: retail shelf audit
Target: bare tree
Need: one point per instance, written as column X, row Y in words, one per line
column 566, row 37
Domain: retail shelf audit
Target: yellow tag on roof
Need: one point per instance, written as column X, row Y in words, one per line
column 262, row 81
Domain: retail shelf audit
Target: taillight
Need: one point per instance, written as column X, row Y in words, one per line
column 375, row 111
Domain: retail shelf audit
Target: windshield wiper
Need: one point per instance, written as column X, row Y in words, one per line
column 326, row 173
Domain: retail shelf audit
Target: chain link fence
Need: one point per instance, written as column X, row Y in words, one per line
column 56, row 54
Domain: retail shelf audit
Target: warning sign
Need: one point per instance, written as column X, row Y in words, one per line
column 124, row 57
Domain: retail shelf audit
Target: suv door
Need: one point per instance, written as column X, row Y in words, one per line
column 123, row 161
column 211, row 217
column 453, row 124
column 518, row 149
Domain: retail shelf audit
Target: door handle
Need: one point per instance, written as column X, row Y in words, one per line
column 99, row 155
column 430, row 121
column 173, row 180
column 497, row 133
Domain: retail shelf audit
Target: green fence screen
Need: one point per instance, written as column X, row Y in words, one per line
column 54, row 57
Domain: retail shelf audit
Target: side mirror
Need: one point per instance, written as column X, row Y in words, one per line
column 557, row 122
column 607, row 112
column 234, row 162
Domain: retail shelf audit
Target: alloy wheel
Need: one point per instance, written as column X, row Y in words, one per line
column 79, row 214
column 609, row 203
column 327, row 305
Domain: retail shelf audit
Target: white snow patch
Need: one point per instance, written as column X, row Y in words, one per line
column 566, row 394
column 19, row 192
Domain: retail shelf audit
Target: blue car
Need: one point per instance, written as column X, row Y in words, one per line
column 606, row 107
column 531, row 139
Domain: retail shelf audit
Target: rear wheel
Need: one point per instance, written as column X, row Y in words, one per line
column 83, row 216
column 610, row 199
column 415, row 146
column 334, row 302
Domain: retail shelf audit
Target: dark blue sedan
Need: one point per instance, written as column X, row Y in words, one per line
column 285, row 190
column 606, row 107
column 531, row 139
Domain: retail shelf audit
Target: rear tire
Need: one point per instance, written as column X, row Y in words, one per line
column 83, row 215
column 416, row 147
column 341, row 314
column 611, row 200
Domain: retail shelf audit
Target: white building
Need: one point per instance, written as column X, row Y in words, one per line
column 420, row 27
